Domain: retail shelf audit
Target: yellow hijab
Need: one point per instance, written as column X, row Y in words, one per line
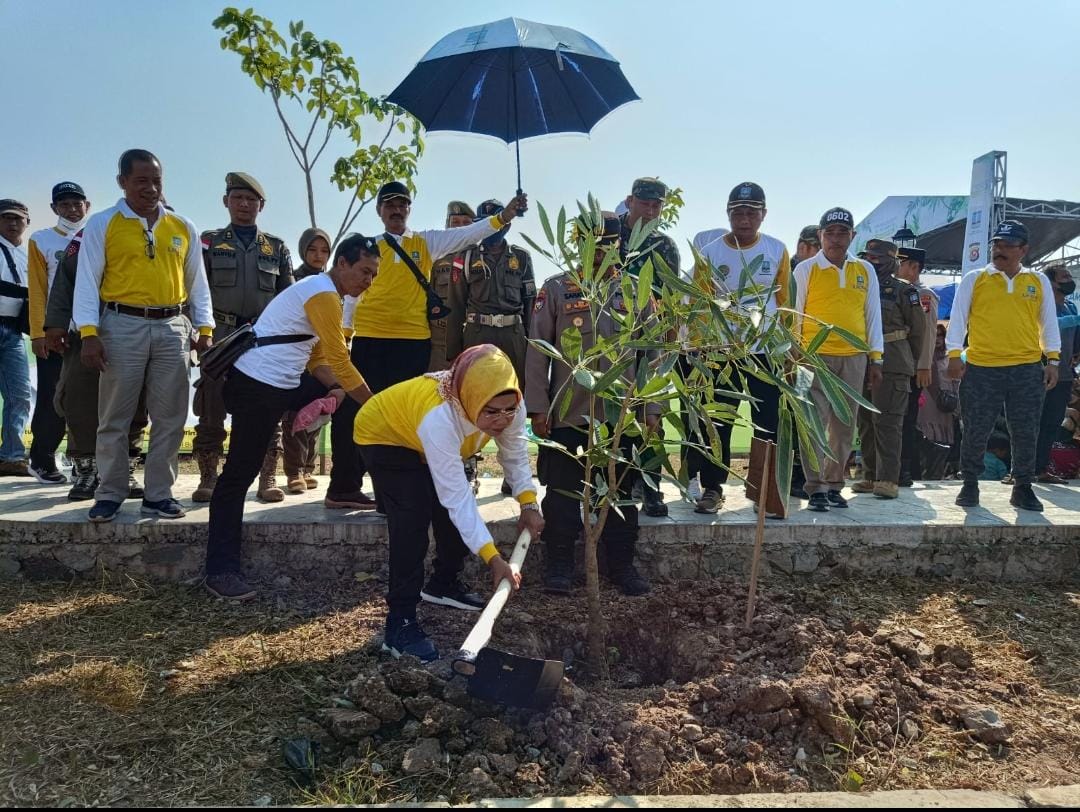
column 476, row 376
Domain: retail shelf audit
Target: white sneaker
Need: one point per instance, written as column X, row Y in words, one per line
column 693, row 490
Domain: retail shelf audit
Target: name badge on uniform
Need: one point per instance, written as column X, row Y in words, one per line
column 575, row 306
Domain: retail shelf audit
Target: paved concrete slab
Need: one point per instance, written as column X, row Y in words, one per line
column 920, row 534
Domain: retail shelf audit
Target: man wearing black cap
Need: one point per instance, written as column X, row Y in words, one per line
column 14, row 369
column 912, row 262
column 1006, row 314
column 560, row 305
column 644, row 205
column 46, row 250
column 392, row 336
column 720, row 256
column 903, row 326
column 807, row 245
column 443, row 271
column 246, row 269
column 835, row 288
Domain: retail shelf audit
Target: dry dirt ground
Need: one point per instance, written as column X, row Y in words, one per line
column 130, row 694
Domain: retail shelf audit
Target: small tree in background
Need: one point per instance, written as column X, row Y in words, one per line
column 314, row 76
column 684, row 347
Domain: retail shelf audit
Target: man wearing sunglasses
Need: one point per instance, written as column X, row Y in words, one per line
column 139, row 264
column 1004, row 315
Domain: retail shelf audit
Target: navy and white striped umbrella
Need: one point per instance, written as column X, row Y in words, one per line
column 514, row 79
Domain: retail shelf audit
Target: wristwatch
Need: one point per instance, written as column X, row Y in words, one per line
column 1052, row 362
column 879, row 362
column 531, row 506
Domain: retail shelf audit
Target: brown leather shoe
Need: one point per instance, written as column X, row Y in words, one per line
column 357, row 500
column 1046, row 478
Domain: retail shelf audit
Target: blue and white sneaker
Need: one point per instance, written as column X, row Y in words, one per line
column 104, row 511
column 166, row 509
column 404, row 635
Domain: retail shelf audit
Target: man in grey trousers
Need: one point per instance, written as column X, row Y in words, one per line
column 138, row 266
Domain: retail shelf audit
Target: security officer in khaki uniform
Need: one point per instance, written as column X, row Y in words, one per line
column 912, row 262
column 560, row 305
column 903, row 327
column 492, row 296
column 246, row 268
column 458, row 213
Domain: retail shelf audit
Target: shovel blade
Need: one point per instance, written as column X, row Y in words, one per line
column 522, row 682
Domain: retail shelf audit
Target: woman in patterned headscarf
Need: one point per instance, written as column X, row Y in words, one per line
column 414, row 437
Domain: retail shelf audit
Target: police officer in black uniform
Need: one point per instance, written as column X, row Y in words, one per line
column 246, row 268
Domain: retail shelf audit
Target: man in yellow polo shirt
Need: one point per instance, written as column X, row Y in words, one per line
column 391, row 335
column 138, row 265
column 1005, row 316
column 833, row 287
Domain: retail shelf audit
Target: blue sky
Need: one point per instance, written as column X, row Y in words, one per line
column 841, row 103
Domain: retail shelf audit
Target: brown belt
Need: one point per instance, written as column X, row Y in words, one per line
column 145, row 312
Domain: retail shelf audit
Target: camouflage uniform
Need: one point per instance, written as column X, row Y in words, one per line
column 903, row 327
column 243, row 279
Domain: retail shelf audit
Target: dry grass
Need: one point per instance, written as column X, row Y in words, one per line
column 129, row 694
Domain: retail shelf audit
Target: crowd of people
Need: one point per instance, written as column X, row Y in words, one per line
column 416, row 343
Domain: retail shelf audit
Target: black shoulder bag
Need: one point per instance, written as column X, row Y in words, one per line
column 13, row 290
column 219, row 359
column 436, row 307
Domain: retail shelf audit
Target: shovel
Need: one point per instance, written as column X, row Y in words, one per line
column 498, row 676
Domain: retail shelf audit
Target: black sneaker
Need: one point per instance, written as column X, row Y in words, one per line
column 84, row 479
column 506, row 489
column 1024, row 497
column 654, row 504
column 166, row 509
column 836, row 499
column 403, row 636
column 969, row 494
column 47, row 474
column 229, row 586
column 818, row 502
column 104, row 511
column 906, row 480
column 455, row 595
column 558, row 575
column 631, row 582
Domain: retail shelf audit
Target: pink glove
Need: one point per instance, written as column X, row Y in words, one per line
column 315, row 415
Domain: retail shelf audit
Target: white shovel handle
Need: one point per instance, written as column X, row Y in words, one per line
column 481, row 632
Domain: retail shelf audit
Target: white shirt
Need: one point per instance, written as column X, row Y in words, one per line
column 10, row 307
column 442, row 432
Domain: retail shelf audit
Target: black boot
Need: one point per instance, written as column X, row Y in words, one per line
column 1024, row 498
column 654, row 503
column 969, row 494
column 622, row 572
column 558, row 566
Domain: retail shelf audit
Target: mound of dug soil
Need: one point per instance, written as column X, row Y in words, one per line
column 695, row 703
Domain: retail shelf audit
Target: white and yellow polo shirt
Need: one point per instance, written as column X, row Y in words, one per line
column 846, row 297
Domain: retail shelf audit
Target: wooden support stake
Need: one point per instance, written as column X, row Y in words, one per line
column 759, row 537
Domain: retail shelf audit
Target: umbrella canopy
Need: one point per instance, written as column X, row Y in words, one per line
column 514, row 79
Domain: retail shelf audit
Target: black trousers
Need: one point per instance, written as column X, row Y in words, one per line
column 1053, row 412
column 46, row 426
column 562, row 514
column 765, row 414
column 383, row 362
column 983, row 391
column 256, row 410
column 407, row 495
column 910, row 458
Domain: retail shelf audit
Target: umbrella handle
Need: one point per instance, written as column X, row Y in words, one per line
column 519, row 193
